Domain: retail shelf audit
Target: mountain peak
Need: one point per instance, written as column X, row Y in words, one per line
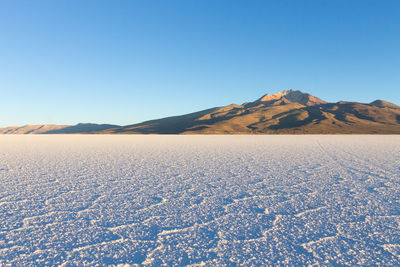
column 276, row 96
column 293, row 96
column 384, row 104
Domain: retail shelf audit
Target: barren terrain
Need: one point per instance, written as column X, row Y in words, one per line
column 199, row 200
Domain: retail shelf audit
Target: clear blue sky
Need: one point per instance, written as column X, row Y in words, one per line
column 70, row 61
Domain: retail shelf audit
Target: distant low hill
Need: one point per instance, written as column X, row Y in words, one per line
column 56, row 129
column 82, row 128
column 287, row 112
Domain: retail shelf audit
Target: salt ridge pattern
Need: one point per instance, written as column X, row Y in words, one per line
column 199, row 200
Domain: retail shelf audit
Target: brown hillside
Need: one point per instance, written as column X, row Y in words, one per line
column 287, row 112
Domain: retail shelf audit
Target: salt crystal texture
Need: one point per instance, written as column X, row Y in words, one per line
column 199, row 200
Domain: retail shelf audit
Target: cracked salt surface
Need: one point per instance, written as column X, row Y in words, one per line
column 199, row 200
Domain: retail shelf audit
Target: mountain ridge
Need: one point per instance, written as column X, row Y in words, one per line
column 286, row 112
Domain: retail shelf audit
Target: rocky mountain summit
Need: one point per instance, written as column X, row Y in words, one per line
column 291, row 96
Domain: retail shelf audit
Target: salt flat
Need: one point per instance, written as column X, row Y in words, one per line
column 193, row 200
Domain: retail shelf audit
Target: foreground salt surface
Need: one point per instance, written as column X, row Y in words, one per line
column 213, row 200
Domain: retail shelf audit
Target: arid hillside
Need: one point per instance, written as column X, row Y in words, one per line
column 287, row 112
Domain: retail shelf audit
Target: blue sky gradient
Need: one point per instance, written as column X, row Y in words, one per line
column 123, row 62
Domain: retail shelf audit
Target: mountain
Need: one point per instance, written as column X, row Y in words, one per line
column 82, row 128
column 30, row 129
column 57, row 129
column 287, row 112
column 291, row 96
column 384, row 104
